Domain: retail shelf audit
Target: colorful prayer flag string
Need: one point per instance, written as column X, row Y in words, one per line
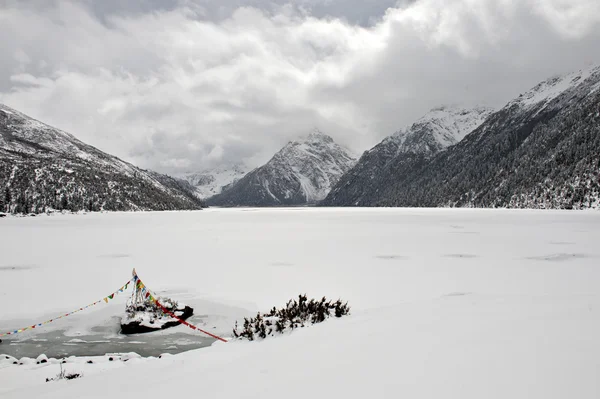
column 105, row 299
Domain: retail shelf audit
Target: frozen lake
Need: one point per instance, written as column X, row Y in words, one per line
column 228, row 263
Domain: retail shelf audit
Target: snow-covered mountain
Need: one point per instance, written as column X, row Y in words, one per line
column 542, row 94
column 212, row 181
column 44, row 168
column 302, row 172
column 438, row 129
column 542, row 150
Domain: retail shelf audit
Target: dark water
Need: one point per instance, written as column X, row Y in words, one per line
column 102, row 340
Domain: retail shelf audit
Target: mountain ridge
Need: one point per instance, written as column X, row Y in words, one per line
column 44, row 168
column 541, row 150
column 438, row 129
column 302, row 172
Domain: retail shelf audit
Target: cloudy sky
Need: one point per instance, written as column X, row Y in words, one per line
column 183, row 85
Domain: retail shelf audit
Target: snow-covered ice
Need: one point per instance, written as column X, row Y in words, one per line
column 445, row 303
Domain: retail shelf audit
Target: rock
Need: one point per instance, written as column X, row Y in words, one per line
column 153, row 315
column 41, row 359
column 140, row 326
column 129, row 356
column 6, row 359
column 25, row 361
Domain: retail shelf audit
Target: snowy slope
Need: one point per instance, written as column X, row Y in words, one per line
column 25, row 135
column 212, row 181
column 302, row 172
column 464, row 318
column 45, row 168
column 551, row 88
column 438, row 129
column 542, row 150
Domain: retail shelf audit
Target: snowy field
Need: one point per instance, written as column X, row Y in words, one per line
column 445, row 303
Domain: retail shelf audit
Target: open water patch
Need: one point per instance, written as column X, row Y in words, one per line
column 57, row 345
column 102, row 339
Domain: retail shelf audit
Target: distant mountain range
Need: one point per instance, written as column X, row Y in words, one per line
column 43, row 168
column 212, row 181
column 302, row 172
column 542, row 150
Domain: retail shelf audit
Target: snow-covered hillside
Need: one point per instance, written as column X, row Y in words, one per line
column 212, row 181
column 464, row 318
column 438, row 129
column 43, row 168
column 539, row 151
column 549, row 89
column 302, row 172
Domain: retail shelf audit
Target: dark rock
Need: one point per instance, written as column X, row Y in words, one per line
column 137, row 328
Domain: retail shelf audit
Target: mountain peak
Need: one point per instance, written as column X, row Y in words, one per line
column 453, row 111
column 551, row 88
column 439, row 128
column 302, row 172
column 316, row 135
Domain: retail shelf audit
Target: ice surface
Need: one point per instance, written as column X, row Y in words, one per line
column 445, row 303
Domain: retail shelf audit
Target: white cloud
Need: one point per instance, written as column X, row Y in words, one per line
column 572, row 19
column 169, row 90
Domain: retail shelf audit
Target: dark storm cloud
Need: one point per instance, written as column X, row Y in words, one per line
column 180, row 85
